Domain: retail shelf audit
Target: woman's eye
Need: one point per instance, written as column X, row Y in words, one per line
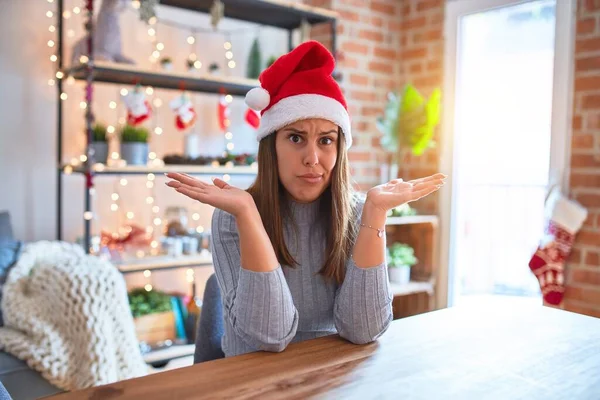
column 295, row 138
column 326, row 140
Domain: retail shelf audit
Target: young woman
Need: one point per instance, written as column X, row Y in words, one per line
column 299, row 255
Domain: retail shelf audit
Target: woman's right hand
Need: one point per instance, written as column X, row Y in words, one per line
column 220, row 195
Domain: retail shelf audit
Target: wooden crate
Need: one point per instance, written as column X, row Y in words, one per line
column 154, row 328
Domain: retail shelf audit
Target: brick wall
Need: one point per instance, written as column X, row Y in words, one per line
column 386, row 44
column 583, row 280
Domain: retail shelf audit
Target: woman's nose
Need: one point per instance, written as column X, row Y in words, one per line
column 312, row 158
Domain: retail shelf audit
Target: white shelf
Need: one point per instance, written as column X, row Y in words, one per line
column 169, row 353
column 203, row 259
column 411, row 287
column 197, row 81
column 412, row 219
column 101, row 169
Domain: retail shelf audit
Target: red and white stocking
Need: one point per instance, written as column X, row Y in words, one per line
column 185, row 115
column 565, row 217
column 138, row 108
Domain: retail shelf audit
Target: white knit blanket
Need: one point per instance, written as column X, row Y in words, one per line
column 67, row 315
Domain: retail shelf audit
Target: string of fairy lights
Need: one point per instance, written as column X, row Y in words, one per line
column 195, row 63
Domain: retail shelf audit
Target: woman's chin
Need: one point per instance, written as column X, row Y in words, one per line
column 307, row 196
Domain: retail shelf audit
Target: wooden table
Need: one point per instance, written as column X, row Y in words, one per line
column 496, row 352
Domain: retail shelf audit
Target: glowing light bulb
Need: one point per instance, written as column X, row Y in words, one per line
column 227, row 45
column 87, row 215
column 112, row 105
column 147, row 273
column 191, row 40
column 114, row 207
column 123, row 182
column 231, row 64
column 63, row 96
column 124, row 92
column 158, row 130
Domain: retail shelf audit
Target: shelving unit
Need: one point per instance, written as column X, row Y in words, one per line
column 101, row 169
column 286, row 15
column 421, row 233
column 277, row 13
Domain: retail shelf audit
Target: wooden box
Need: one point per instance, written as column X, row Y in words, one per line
column 156, row 327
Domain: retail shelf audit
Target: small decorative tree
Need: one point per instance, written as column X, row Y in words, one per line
column 254, row 67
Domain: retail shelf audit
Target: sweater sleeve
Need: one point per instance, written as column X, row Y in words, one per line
column 258, row 305
column 363, row 302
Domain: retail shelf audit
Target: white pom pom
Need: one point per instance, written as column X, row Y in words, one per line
column 257, row 99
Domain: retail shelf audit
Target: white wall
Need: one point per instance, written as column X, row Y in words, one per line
column 28, row 119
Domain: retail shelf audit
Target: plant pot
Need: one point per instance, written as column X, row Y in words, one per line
column 135, row 153
column 153, row 328
column 100, row 151
column 399, row 275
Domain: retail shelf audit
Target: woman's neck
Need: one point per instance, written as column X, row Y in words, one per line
column 303, row 213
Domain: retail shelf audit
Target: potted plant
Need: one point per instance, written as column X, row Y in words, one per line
column 99, row 143
column 400, row 258
column 152, row 315
column 408, row 124
column 166, row 63
column 134, row 145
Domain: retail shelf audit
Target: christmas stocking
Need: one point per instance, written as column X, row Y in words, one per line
column 252, row 118
column 138, row 109
column 184, row 110
column 565, row 217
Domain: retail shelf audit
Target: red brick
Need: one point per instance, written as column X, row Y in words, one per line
column 357, row 79
column 587, row 45
column 395, row 26
column 374, row 21
column 414, row 23
column 591, row 101
column 576, row 122
column 587, row 83
column 371, row 111
column 349, row 62
column 359, row 156
column 357, row 3
column 582, row 309
column 415, row 68
column 585, row 180
column 406, row 9
column 426, row 82
column 384, row 83
column 592, row 258
column 424, row 5
column 381, row 52
column 363, row 96
column 353, row 47
column 588, row 238
column 376, row 142
column 591, row 121
column 384, row 67
column 584, row 294
column 582, row 141
column 421, row 52
column 574, row 257
column 587, row 64
column 434, row 65
column 374, row 36
column 383, row 7
column 585, row 276
column 589, row 200
column 592, row 5
column 585, row 161
column 347, row 16
column 598, row 222
column 437, row 18
column 586, row 26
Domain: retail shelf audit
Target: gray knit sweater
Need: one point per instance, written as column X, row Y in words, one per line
column 268, row 310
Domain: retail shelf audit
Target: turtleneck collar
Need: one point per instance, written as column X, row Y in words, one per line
column 304, row 213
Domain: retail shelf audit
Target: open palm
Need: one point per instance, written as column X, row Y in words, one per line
column 220, row 195
column 397, row 192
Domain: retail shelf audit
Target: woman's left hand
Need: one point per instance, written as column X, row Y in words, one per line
column 397, row 192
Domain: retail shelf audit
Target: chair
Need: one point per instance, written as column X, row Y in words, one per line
column 210, row 324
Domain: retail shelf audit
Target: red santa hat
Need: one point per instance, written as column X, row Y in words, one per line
column 299, row 85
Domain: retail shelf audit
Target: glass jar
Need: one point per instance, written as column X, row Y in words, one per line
column 176, row 221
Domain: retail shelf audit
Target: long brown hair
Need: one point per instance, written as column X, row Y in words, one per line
column 338, row 206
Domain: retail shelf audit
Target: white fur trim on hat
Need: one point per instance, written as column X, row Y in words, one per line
column 304, row 106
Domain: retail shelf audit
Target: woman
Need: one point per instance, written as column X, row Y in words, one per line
column 299, row 255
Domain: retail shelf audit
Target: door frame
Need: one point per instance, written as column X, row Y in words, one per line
column 562, row 114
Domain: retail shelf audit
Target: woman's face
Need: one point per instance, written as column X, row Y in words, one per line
column 306, row 157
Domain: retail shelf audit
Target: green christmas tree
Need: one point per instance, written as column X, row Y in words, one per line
column 254, row 61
